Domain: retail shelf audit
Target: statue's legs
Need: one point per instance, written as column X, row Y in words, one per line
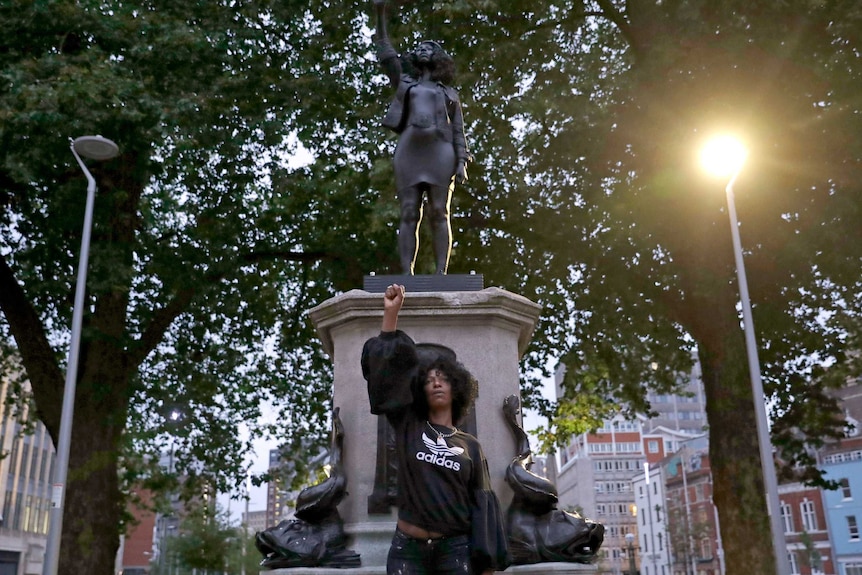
column 440, row 198
column 408, row 230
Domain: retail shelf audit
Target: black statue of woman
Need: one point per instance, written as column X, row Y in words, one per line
column 432, row 151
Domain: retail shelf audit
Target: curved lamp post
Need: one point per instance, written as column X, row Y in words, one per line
column 724, row 156
column 95, row 148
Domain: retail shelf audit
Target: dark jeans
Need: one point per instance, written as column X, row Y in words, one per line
column 447, row 556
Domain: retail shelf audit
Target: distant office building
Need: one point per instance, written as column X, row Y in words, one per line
column 684, row 412
column 597, row 469
column 279, row 498
column 255, row 521
column 25, row 481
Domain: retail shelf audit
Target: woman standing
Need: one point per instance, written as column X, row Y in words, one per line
column 431, row 150
column 449, row 520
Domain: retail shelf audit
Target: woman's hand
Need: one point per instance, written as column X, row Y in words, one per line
column 393, row 299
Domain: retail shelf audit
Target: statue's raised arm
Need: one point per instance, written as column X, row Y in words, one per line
column 432, row 151
column 386, row 54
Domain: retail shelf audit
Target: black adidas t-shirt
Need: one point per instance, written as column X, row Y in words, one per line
column 443, row 483
column 437, row 475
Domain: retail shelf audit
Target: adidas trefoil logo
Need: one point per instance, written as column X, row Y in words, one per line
column 440, row 450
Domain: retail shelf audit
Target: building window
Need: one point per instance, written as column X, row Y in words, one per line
column 652, row 445
column 842, row 457
column 853, row 528
column 705, row 549
column 809, row 517
column 845, row 488
column 853, row 568
column 787, row 517
column 794, row 564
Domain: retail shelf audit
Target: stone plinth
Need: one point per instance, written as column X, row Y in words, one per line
column 488, row 329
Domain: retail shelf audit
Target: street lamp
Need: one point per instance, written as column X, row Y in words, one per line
column 95, row 148
column 724, row 156
column 630, row 540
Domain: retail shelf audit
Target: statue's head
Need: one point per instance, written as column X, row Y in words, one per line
column 431, row 55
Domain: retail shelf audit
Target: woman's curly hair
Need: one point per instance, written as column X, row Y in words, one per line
column 464, row 388
column 442, row 64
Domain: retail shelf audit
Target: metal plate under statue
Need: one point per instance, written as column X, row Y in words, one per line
column 431, row 152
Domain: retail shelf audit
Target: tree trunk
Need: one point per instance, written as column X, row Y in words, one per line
column 91, row 525
column 94, row 503
column 738, row 490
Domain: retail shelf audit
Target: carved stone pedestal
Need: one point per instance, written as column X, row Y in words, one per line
column 488, row 329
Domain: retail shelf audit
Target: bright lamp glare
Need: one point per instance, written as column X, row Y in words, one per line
column 723, row 155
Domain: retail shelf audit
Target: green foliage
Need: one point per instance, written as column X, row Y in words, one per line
column 206, row 542
column 810, row 557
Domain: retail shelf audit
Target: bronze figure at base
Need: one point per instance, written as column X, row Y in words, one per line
column 316, row 538
column 538, row 532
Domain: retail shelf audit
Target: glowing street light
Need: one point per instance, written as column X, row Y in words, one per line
column 94, row 148
column 724, row 156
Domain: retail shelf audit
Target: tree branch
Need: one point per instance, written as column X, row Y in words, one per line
column 37, row 356
column 164, row 317
column 619, row 19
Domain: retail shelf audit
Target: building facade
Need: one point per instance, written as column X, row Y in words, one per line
column 842, row 463
column 652, row 546
column 596, row 470
column 806, row 530
column 255, row 521
column 25, row 481
column 692, row 529
column 278, row 495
